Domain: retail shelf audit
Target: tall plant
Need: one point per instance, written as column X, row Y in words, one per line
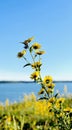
column 35, row 52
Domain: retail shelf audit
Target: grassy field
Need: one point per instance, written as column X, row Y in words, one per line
column 32, row 114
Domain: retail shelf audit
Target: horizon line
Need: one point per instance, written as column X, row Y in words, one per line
column 32, row 81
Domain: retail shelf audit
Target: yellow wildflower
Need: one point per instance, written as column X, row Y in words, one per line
column 60, row 114
column 36, row 64
column 60, row 100
column 34, row 75
column 49, row 105
column 36, row 46
column 57, row 105
column 40, row 52
column 8, row 119
column 28, row 40
column 68, row 109
column 50, row 90
column 52, row 100
column 47, row 80
column 41, row 108
column 51, row 85
column 20, row 54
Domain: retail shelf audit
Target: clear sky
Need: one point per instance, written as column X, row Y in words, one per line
column 50, row 22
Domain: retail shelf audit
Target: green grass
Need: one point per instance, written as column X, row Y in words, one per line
column 31, row 114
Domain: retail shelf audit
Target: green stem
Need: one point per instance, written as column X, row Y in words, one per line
column 31, row 54
column 39, row 75
column 43, row 85
column 26, row 59
column 32, row 57
column 39, row 58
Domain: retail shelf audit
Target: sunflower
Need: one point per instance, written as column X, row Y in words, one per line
column 52, row 100
column 34, row 75
column 60, row 100
column 26, row 42
column 40, row 52
column 50, row 90
column 68, row 109
column 36, row 46
column 47, row 80
column 51, row 85
column 20, row 54
column 36, row 65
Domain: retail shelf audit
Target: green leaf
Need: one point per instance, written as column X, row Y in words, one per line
column 26, row 65
column 56, row 95
column 30, row 49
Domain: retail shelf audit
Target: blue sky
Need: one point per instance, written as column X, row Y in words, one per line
column 50, row 22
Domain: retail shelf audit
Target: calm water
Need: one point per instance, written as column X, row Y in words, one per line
column 16, row 91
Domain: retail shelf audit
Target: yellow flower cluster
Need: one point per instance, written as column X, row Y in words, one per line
column 33, row 112
column 47, row 85
column 49, row 107
column 42, row 108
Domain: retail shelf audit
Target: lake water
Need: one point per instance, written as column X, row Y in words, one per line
column 16, row 91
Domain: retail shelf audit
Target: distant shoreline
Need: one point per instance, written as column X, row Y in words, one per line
column 16, row 82
column 58, row 81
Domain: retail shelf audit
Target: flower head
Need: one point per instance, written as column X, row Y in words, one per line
column 51, row 85
column 52, row 100
column 50, row 90
column 49, row 105
column 28, row 40
column 60, row 100
column 36, row 65
column 40, row 52
column 47, row 80
column 67, row 109
column 36, row 46
column 34, row 75
column 20, row 54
